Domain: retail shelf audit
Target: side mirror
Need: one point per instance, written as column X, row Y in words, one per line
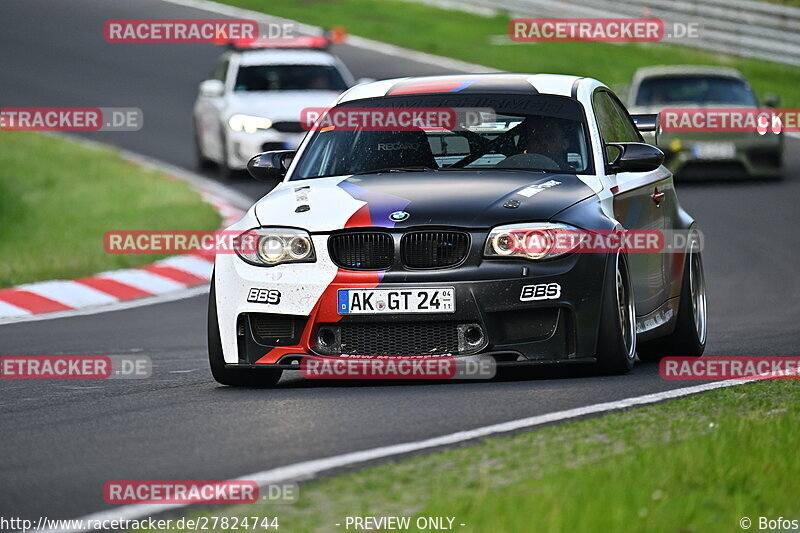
column 212, row 88
column 645, row 123
column 636, row 157
column 362, row 81
column 270, row 166
column 772, row 100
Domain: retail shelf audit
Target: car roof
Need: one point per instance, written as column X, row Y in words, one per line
column 687, row 71
column 497, row 83
column 249, row 58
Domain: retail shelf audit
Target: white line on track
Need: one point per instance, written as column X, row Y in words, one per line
column 308, row 469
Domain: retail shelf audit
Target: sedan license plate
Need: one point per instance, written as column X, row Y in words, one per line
column 392, row 301
column 712, row 150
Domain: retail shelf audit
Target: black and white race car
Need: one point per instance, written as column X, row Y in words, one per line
column 431, row 241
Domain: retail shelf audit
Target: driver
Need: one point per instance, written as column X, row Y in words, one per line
column 546, row 136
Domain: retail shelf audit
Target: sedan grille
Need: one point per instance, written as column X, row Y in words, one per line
column 362, row 250
column 288, row 127
column 434, row 249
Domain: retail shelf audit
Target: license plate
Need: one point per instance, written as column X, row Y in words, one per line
column 391, row 301
column 714, row 150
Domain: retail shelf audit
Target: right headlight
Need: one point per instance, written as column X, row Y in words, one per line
column 248, row 123
column 531, row 240
column 275, row 246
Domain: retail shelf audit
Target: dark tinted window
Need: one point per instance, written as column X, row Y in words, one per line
column 669, row 90
column 540, row 133
column 614, row 122
column 289, row 78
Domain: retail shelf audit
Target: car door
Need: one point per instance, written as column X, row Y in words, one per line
column 638, row 200
column 210, row 122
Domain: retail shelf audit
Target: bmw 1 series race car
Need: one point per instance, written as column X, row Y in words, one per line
column 407, row 242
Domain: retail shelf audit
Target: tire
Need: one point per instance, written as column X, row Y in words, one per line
column 616, row 339
column 201, row 161
column 227, row 376
column 691, row 326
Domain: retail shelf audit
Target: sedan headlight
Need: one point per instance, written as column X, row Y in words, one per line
column 249, row 123
column 275, row 246
column 533, row 240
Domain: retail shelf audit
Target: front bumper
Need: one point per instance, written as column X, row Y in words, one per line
column 488, row 296
column 753, row 155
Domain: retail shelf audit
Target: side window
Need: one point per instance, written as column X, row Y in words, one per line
column 631, row 133
column 614, row 122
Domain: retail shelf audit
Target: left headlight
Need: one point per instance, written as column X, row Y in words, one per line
column 532, row 240
column 275, row 246
column 249, row 123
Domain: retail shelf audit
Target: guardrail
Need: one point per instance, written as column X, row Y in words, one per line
column 739, row 27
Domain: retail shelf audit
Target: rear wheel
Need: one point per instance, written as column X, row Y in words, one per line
column 616, row 342
column 231, row 376
column 691, row 326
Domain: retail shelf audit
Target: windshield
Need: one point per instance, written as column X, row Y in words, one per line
column 695, row 89
column 540, row 133
column 289, row 78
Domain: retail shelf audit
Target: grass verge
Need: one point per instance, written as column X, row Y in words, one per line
column 693, row 465
column 58, row 198
column 471, row 37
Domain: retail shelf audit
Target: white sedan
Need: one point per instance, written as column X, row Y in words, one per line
column 253, row 101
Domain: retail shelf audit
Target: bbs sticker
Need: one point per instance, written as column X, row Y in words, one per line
column 264, row 296
column 543, row 291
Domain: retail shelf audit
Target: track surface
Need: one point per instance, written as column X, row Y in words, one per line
column 61, row 441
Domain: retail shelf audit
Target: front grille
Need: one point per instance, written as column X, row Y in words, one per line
column 276, row 330
column 362, row 250
column 433, row 249
column 270, row 146
column 288, row 127
column 413, row 338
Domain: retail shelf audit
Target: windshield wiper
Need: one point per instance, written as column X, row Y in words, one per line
column 395, row 169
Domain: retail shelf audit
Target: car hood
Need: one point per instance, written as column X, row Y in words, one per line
column 479, row 199
column 278, row 105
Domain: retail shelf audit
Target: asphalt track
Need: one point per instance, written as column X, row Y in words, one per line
column 60, row 441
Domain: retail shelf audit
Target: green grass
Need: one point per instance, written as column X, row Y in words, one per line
column 693, row 465
column 58, row 198
column 468, row 37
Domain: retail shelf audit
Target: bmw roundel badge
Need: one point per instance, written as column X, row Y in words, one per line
column 399, row 216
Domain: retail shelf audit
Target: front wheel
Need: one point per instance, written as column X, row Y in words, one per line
column 230, row 376
column 616, row 340
column 691, row 326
